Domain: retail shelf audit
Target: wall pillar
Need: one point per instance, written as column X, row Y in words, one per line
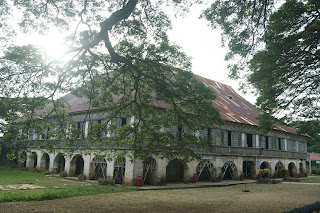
column 29, row 161
column 67, row 165
column 192, row 169
column 110, row 169
column 39, row 156
column 129, row 171
column 243, row 142
column 161, row 168
column 258, row 141
column 51, row 162
column 285, row 144
column 86, row 166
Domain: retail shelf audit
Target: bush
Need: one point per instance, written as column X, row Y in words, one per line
column 63, row 174
column 283, row 173
column 287, row 178
column 264, row 180
column 105, row 181
column 81, row 177
column 265, row 173
column 316, row 171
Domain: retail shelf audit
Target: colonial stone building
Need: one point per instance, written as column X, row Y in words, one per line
column 239, row 148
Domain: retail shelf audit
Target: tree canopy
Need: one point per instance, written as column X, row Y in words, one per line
column 117, row 49
column 121, row 48
column 274, row 47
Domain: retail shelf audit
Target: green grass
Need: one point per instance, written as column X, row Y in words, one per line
column 312, row 179
column 55, row 187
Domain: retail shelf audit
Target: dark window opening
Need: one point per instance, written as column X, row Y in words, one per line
column 249, row 140
column 229, row 138
column 209, row 132
column 267, row 142
column 79, row 128
column 279, row 142
column 48, row 132
column 124, row 121
column 99, row 131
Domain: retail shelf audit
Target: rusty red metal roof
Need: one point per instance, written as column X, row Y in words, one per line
column 232, row 107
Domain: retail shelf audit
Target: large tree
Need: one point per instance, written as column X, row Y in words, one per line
column 120, row 58
column 274, row 47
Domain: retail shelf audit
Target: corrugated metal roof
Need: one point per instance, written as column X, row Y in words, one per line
column 235, row 108
column 232, row 106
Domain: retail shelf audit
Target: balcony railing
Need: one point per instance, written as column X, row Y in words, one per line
column 218, row 150
column 255, row 152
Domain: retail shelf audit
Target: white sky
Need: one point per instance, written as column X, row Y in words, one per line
column 203, row 44
column 194, row 35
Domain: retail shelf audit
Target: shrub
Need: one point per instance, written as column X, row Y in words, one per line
column 287, row 178
column 316, row 171
column 265, row 173
column 283, row 173
column 81, row 177
column 105, row 181
column 63, row 174
column 275, row 181
column 264, row 180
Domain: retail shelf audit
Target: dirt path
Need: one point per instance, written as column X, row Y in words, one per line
column 261, row 198
column 20, row 186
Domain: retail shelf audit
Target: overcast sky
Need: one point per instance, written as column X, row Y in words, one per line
column 203, row 44
column 194, row 35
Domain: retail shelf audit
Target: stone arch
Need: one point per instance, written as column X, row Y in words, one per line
column 149, row 171
column 59, row 163
column 279, row 166
column 119, row 170
column 45, row 160
column 175, row 171
column 292, row 169
column 248, row 169
column 265, row 165
column 33, row 160
column 98, row 168
column 205, row 171
column 301, row 170
column 76, row 165
column 228, row 170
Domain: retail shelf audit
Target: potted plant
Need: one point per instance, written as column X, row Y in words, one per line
column 163, row 180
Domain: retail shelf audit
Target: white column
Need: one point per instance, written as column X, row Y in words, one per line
column 86, row 127
column 257, row 141
column 51, row 162
column 110, row 169
column 67, row 165
column 161, row 168
column 243, row 143
column 128, row 174
column 138, row 168
column 86, row 166
column 29, row 161
column 285, row 144
column 39, row 156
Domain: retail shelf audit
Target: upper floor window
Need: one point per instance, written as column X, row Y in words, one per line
column 229, row 138
column 249, row 140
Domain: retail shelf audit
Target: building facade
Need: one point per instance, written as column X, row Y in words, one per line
column 239, row 147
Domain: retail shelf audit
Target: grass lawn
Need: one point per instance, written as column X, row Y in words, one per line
column 312, row 179
column 261, row 198
column 55, row 187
